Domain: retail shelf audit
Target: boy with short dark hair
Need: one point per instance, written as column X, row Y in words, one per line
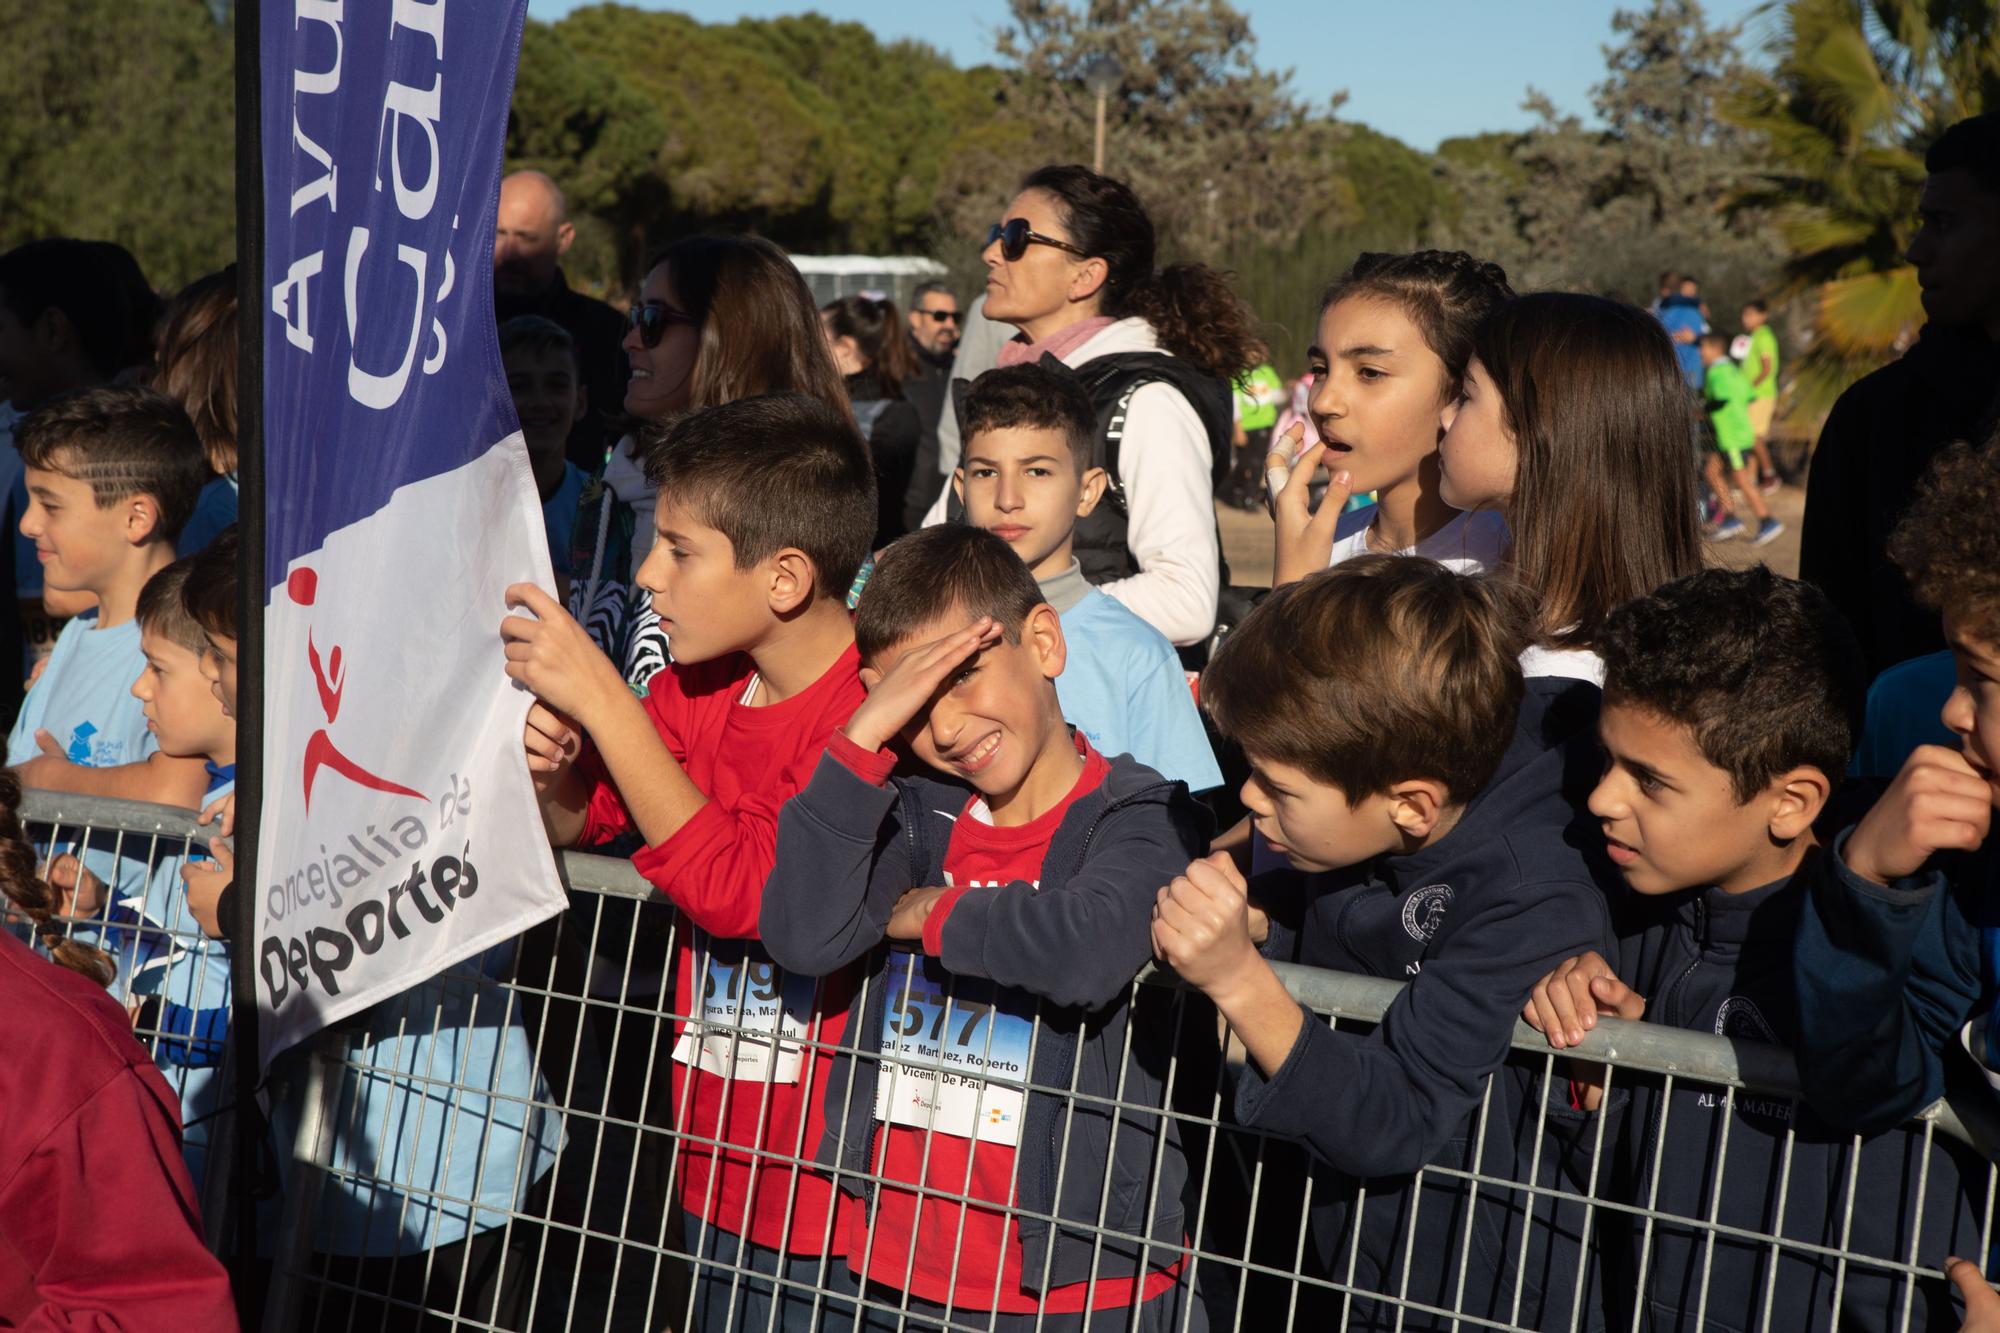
column 1024, row 476
column 1023, row 906
column 767, row 508
column 1727, row 394
column 1895, row 963
column 546, row 383
column 1732, row 699
column 112, row 474
column 1375, row 703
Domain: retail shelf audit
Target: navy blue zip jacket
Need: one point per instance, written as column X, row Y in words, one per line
column 1887, row 977
column 848, row 849
column 1471, row 923
column 1721, row 963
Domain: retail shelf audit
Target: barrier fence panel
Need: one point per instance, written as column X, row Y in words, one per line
column 519, row 1144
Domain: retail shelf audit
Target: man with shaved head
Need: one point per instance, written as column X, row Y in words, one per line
column 529, row 239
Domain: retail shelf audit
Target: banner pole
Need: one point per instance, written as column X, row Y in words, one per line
column 242, row 927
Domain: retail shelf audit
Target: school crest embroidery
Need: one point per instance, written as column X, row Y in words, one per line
column 1423, row 911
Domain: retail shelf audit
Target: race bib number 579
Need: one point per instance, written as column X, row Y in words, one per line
column 747, row 1007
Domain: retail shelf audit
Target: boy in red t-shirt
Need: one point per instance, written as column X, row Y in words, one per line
column 1023, row 909
column 767, row 506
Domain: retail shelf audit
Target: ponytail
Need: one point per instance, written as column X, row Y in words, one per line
column 31, row 895
column 1193, row 311
column 1197, row 316
column 877, row 330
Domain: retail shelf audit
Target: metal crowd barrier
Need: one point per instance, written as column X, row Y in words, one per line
column 502, row 1148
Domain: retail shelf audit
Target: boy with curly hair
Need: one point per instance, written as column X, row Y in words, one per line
column 1898, row 947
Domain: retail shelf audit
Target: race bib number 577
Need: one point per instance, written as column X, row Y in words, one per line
column 953, row 1062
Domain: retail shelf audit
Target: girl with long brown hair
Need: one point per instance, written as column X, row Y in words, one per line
column 1574, row 424
column 196, row 366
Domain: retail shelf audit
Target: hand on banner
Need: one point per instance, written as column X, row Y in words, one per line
column 552, row 742
column 555, row 658
column 205, row 882
column 225, row 810
column 913, row 910
column 906, row 689
column 78, row 891
column 1303, row 537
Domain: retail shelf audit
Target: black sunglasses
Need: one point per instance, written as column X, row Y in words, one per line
column 1015, row 236
column 941, row 316
column 653, row 319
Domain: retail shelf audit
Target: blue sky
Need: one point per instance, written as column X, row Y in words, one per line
column 1421, row 70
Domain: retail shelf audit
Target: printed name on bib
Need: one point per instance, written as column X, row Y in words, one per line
column 953, row 1062
column 747, row 1007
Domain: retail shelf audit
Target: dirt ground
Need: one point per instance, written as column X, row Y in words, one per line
column 1246, row 540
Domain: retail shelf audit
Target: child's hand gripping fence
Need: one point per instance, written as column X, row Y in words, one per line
column 508, row 1146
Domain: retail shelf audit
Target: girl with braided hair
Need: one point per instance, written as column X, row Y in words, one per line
column 85, row 1121
column 1387, row 362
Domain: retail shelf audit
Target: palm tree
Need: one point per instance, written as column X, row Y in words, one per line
column 1856, row 90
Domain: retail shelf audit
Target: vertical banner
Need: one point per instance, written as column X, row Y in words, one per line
column 399, row 831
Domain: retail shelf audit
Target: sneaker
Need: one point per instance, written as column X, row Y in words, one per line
column 1770, row 485
column 1728, row 530
column 1767, row 532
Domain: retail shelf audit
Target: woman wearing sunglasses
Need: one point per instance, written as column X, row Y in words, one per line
column 1070, row 266
column 719, row 318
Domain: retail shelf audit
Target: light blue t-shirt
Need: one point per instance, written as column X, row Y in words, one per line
column 435, row 1112
column 1123, row 687
column 214, row 510
column 84, row 698
column 559, row 516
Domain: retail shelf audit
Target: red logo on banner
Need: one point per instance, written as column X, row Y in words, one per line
column 321, row 752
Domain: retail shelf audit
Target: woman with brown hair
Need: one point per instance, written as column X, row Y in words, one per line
column 98, row 1222
column 876, row 357
column 197, row 368
column 719, row 318
column 1071, row 265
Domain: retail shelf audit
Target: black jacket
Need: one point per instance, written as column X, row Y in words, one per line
column 1068, row 951
column 889, row 423
column 927, row 393
column 1471, row 923
column 1878, row 440
column 1721, row 963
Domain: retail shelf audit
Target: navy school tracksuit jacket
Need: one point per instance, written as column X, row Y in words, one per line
column 1720, row 963
column 847, row 850
column 1471, row 923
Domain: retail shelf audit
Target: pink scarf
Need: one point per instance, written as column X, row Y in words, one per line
column 1017, row 351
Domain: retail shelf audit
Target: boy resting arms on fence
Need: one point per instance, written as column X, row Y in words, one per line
column 1375, row 702
column 1025, row 477
column 1023, row 906
column 173, row 971
column 767, row 506
column 1897, row 947
column 1731, row 703
column 112, row 474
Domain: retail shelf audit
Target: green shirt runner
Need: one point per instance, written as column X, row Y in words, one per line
column 1727, row 390
column 1258, row 397
column 1763, row 345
